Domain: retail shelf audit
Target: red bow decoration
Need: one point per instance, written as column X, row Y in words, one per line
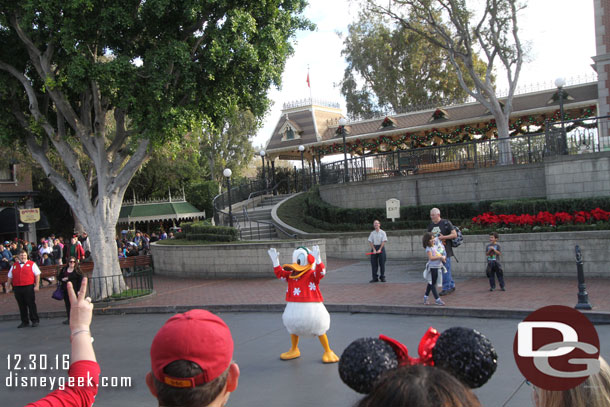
column 426, row 345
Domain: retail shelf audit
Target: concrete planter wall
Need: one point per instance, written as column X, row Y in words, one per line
column 576, row 176
column 225, row 260
column 526, row 254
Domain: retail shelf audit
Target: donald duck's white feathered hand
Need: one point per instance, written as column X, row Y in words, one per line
column 315, row 251
column 275, row 256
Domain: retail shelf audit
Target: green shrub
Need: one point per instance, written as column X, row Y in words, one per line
column 211, row 237
column 203, row 230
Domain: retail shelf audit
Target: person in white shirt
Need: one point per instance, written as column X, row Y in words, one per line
column 24, row 277
column 377, row 240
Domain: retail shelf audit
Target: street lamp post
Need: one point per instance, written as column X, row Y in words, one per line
column 560, row 83
column 302, row 150
column 262, row 153
column 342, row 123
column 227, row 173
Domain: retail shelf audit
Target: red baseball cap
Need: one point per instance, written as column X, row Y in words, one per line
column 197, row 336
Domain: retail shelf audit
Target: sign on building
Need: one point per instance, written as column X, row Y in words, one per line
column 392, row 207
column 29, row 215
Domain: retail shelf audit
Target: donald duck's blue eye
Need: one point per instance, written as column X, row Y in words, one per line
column 301, row 259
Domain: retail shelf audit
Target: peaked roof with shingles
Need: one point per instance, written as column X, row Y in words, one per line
column 531, row 103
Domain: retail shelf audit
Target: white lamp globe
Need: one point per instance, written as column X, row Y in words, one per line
column 560, row 82
column 227, row 172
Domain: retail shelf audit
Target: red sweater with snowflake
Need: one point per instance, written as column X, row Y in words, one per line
column 306, row 288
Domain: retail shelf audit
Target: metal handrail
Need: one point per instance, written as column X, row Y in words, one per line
column 264, row 222
column 555, row 138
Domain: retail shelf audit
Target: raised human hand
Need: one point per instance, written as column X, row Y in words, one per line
column 275, row 256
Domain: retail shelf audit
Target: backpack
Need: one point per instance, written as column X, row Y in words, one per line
column 459, row 239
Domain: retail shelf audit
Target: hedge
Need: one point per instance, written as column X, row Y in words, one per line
column 203, row 230
column 211, row 237
column 316, row 208
column 324, row 216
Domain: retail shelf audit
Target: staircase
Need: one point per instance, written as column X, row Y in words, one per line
column 259, row 225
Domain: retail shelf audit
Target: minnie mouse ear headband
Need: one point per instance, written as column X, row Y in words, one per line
column 465, row 353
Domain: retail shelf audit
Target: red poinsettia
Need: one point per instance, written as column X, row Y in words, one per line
column 542, row 218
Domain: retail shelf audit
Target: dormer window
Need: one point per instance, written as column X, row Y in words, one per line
column 439, row 115
column 290, row 131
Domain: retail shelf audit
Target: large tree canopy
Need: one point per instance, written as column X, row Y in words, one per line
column 491, row 33
column 390, row 68
column 106, row 81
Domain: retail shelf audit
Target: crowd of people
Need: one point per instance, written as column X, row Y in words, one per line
column 56, row 250
column 51, row 250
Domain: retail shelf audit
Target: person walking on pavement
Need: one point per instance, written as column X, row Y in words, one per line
column 24, row 276
column 443, row 229
column 377, row 240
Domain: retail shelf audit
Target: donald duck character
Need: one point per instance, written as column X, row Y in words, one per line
column 305, row 313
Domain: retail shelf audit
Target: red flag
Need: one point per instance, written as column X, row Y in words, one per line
column 308, row 85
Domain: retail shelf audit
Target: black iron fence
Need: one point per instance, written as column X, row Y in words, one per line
column 238, row 193
column 559, row 138
column 129, row 284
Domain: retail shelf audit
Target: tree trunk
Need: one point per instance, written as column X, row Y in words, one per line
column 107, row 277
column 504, row 151
column 78, row 225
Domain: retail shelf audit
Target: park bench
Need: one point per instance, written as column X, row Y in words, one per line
column 407, row 164
column 137, row 263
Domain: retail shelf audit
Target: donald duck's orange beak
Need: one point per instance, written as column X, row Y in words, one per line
column 297, row 269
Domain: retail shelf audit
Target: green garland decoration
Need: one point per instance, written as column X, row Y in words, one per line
column 10, row 204
column 458, row 135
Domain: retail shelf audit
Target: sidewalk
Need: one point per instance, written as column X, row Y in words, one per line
column 346, row 289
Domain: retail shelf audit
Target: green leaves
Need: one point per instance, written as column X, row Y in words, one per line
column 391, row 68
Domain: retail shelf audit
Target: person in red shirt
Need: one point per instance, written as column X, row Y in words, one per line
column 305, row 313
column 24, row 277
column 84, row 370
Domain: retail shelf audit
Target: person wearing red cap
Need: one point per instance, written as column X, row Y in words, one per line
column 84, row 370
column 192, row 361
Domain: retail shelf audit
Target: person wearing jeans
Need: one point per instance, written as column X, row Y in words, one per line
column 444, row 231
column 377, row 240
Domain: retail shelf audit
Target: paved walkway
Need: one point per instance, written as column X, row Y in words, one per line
column 346, row 288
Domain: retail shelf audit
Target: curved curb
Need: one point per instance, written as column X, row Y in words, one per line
column 429, row 310
column 276, row 219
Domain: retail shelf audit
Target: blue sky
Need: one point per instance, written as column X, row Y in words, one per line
column 560, row 35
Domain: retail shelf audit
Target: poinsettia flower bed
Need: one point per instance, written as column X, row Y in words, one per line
column 542, row 218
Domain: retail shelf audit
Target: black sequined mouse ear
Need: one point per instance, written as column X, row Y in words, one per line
column 467, row 354
column 363, row 361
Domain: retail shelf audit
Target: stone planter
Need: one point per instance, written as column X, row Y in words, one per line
column 225, row 260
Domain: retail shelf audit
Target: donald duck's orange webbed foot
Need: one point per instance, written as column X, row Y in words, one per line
column 291, row 354
column 330, row 357
column 294, row 351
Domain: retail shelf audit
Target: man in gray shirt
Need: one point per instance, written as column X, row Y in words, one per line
column 377, row 240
